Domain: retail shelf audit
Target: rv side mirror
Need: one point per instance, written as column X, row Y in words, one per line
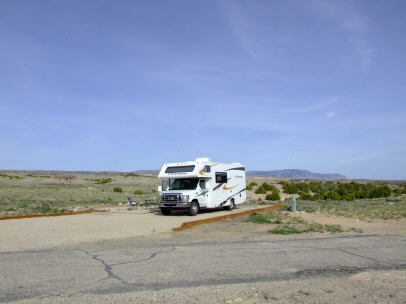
column 165, row 185
column 159, row 188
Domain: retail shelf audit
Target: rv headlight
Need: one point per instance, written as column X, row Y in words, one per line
column 185, row 198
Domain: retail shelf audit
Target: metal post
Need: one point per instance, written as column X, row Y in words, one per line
column 294, row 203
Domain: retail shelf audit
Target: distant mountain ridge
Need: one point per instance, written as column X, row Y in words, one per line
column 296, row 173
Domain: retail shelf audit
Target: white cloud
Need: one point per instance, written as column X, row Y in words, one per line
column 347, row 19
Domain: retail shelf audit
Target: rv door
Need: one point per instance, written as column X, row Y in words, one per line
column 204, row 193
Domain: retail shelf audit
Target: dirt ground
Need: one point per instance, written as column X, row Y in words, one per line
column 121, row 223
column 241, row 228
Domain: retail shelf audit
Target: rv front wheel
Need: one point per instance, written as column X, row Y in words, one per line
column 166, row 211
column 194, row 208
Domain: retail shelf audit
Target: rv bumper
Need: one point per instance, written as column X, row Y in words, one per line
column 166, row 205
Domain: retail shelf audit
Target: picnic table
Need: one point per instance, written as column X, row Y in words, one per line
column 149, row 204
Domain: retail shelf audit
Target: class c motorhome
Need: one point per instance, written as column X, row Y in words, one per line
column 201, row 184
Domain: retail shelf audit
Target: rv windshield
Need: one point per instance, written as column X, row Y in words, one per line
column 184, row 184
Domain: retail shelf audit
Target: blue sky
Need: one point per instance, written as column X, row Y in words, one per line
column 128, row 85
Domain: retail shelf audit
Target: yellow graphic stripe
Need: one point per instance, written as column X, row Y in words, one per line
column 228, row 188
column 201, row 171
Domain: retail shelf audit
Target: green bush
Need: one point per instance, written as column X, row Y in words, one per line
column 260, row 190
column 273, row 197
column 337, row 191
column 138, row 192
column 118, row 189
column 286, row 229
column 251, row 186
column 259, row 218
column 304, row 196
column 333, row 195
column 266, row 186
column 105, row 181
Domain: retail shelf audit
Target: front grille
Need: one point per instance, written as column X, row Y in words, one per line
column 171, row 198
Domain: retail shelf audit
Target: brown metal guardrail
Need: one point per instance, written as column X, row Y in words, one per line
column 231, row 216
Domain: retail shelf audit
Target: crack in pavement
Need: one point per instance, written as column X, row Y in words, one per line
column 147, row 259
column 344, row 251
column 364, row 257
column 108, row 268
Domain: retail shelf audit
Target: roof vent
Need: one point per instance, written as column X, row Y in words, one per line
column 203, row 160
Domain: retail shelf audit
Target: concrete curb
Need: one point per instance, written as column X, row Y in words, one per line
column 50, row 214
column 231, row 216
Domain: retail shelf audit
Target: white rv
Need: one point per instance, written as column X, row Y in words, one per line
column 201, row 184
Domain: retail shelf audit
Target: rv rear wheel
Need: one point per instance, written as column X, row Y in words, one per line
column 166, row 211
column 231, row 206
column 194, row 208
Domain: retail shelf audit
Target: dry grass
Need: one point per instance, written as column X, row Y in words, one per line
column 25, row 193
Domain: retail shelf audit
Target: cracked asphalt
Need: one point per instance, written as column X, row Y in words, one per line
column 136, row 258
column 179, row 270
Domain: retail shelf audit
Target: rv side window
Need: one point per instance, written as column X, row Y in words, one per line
column 179, row 169
column 206, row 168
column 221, row 177
column 202, row 184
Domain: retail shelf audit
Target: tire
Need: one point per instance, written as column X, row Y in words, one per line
column 166, row 211
column 231, row 206
column 194, row 208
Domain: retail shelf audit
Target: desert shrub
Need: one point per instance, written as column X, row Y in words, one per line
column 275, row 190
column 381, row 191
column 337, row 191
column 105, row 181
column 260, row 190
column 259, row 218
column 305, row 196
column 308, row 208
column 273, row 197
column 266, row 186
column 118, row 189
column 330, row 186
column 349, row 197
column 289, row 188
column 397, row 191
column 251, row 186
column 138, row 192
column 286, row 229
column 333, row 195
